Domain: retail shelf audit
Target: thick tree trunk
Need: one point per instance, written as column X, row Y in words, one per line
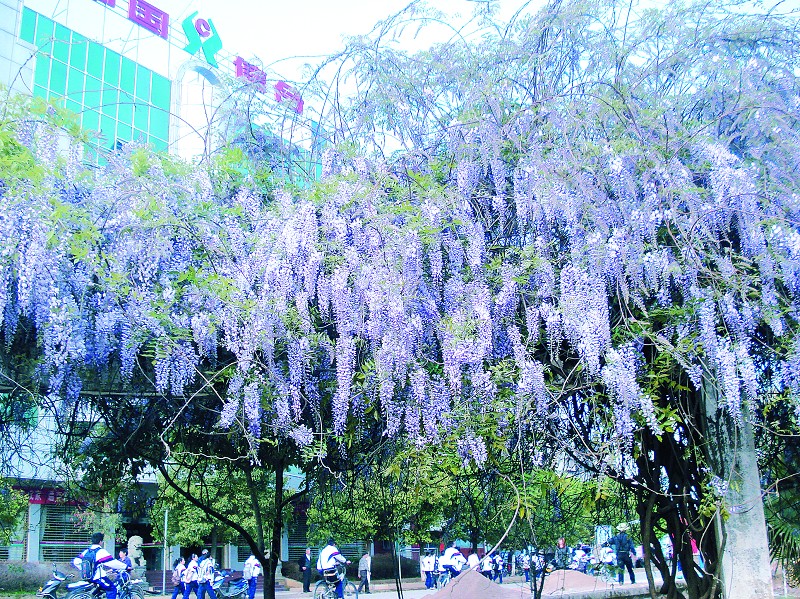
column 745, row 568
column 277, row 532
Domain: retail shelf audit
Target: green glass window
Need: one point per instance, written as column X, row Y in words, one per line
column 142, row 83
column 159, row 144
column 125, row 108
column 44, row 33
column 111, row 75
column 94, row 60
column 159, row 123
column 108, row 131
column 124, row 131
column 27, row 30
column 127, row 76
column 75, row 85
column 140, row 116
column 58, row 78
column 110, row 101
column 91, row 94
column 90, row 119
column 39, row 91
column 61, row 43
column 42, row 73
column 160, row 92
column 77, row 52
column 73, row 106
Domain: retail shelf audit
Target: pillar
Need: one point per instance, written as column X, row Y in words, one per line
column 34, row 531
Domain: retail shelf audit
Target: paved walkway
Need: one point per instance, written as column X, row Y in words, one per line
column 556, row 586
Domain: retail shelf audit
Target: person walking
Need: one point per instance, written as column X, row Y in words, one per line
column 304, row 562
column 427, row 564
column 526, row 566
column 190, row 578
column 623, row 547
column 501, row 566
column 205, row 578
column 250, row 572
column 473, row 562
column 487, row 565
column 178, row 566
column 364, row 570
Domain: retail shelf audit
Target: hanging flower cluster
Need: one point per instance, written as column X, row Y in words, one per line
column 532, row 243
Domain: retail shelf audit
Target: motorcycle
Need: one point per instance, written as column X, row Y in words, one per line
column 129, row 588
column 74, row 590
column 232, row 589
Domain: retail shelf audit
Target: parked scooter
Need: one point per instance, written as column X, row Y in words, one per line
column 74, row 590
column 232, row 589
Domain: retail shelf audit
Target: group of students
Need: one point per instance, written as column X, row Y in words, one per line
column 453, row 561
column 198, row 576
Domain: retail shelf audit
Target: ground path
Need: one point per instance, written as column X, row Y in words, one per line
column 564, row 584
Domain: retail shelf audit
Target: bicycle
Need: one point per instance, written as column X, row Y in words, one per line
column 129, row 588
column 443, row 579
column 326, row 588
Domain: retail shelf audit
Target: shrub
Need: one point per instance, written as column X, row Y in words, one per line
column 24, row 576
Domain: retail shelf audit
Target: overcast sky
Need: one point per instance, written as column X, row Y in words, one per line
column 275, row 30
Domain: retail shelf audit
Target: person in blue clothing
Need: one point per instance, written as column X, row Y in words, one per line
column 104, row 563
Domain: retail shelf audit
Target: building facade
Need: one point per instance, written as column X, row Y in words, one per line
column 130, row 72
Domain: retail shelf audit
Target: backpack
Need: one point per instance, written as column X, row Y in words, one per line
column 247, row 572
column 89, row 564
column 176, row 579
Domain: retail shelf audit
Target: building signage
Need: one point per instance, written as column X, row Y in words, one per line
column 202, row 34
column 284, row 91
column 46, row 497
column 253, row 74
column 148, row 16
column 145, row 15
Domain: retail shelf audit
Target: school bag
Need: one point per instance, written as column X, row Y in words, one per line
column 176, row 578
column 89, row 564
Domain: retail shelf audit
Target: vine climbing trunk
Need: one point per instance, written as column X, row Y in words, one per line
column 745, row 570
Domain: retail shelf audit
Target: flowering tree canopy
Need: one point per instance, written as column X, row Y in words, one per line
column 593, row 233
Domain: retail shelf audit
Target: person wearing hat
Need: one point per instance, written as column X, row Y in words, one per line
column 623, row 547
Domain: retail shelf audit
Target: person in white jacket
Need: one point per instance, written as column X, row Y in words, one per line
column 452, row 560
column 251, row 572
column 104, row 562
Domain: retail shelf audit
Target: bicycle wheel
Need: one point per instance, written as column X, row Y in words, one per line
column 350, row 591
column 320, row 590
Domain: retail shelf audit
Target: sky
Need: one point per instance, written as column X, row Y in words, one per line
column 276, row 31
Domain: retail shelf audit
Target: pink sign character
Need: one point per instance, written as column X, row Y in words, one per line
column 250, row 72
column 284, row 91
column 148, row 16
